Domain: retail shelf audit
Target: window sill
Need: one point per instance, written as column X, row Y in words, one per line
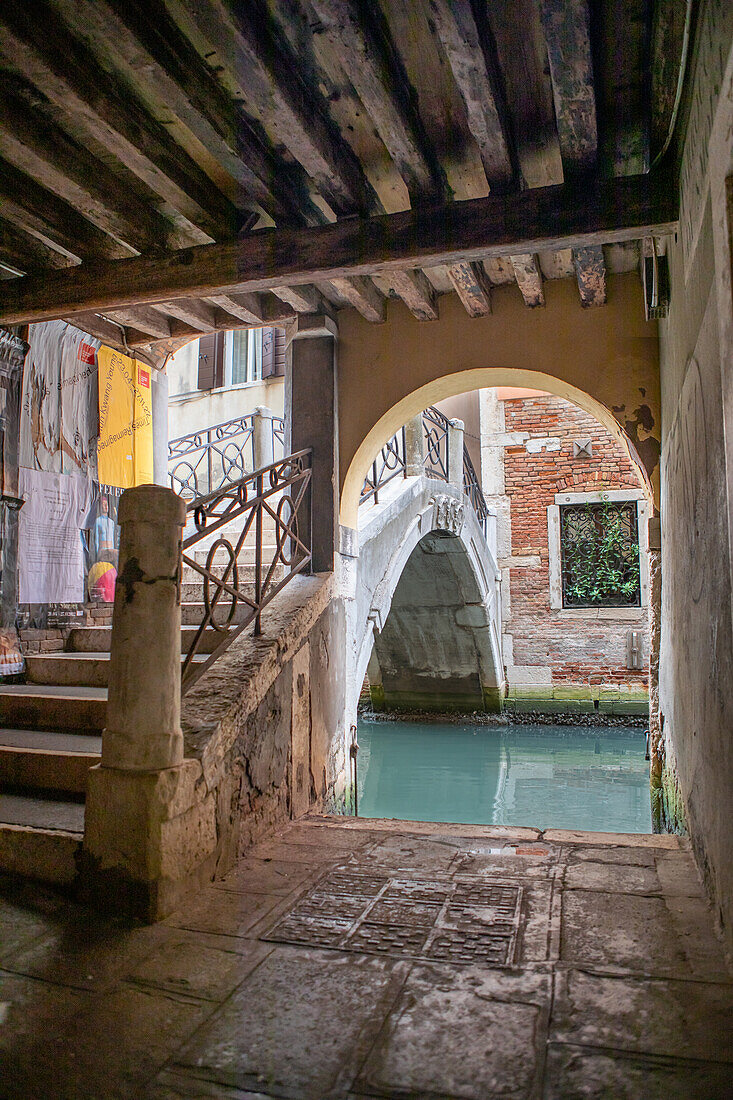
column 624, row 614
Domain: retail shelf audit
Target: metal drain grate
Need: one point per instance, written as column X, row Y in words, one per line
column 468, row 921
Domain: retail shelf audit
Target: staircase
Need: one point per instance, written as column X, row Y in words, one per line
column 51, row 725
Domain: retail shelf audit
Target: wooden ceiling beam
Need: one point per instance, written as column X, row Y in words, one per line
column 590, row 269
column 246, row 307
column 268, row 77
column 377, row 74
column 303, row 299
column 116, row 335
column 601, row 211
column 35, row 42
column 529, row 279
column 24, row 252
column 145, row 319
column 39, row 212
column 363, row 295
column 60, row 164
column 164, row 69
column 416, row 291
column 473, row 287
column 198, row 315
column 471, row 55
column 566, row 26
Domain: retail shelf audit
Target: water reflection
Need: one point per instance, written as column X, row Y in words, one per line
column 546, row 776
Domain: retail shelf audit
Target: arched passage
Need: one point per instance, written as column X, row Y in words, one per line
column 605, row 361
column 435, row 650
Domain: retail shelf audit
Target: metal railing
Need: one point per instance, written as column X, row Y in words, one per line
column 279, row 492
column 204, row 461
column 391, row 462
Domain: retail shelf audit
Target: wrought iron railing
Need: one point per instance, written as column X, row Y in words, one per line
column 205, row 461
column 391, row 463
column 279, row 493
column 435, row 427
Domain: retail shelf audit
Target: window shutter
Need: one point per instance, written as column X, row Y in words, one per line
column 268, row 352
column 279, row 352
column 211, row 361
column 207, row 355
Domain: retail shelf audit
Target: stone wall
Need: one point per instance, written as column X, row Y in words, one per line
column 693, row 748
column 546, row 647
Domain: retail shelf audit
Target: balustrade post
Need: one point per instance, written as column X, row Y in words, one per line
column 415, row 447
column 455, row 453
column 311, row 412
column 263, row 452
column 143, row 730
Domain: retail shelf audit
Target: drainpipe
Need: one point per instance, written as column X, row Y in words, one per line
column 455, row 453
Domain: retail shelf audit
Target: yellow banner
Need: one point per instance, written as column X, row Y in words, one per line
column 125, row 448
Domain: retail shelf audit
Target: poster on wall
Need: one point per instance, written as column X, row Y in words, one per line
column 58, row 421
column 125, row 447
column 102, row 545
column 50, row 542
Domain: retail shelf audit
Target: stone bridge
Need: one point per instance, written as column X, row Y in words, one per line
column 425, row 612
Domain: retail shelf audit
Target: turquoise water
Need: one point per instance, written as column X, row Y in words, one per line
column 547, row 776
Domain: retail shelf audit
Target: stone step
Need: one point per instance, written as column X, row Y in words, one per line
column 95, row 642
column 192, row 582
column 47, row 854
column 43, row 760
column 52, row 707
column 91, row 669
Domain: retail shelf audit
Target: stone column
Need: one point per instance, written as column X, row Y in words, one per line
column 262, row 443
column 143, row 731
column 455, row 453
column 311, row 414
column 414, row 447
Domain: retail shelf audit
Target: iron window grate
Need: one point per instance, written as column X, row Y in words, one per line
column 599, row 547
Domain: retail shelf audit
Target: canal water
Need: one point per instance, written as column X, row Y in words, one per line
column 547, row 776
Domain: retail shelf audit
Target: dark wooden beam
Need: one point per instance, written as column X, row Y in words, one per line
column 35, row 42
column 590, row 269
column 247, row 307
column 267, row 76
column 471, row 56
column 361, row 40
column 144, row 319
column 529, row 279
column 116, row 335
column 140, row 38
column 24, row 252
column 303, row 299
column 566, row 25
column 63, row 166
column 416, row 292
column 620, row 209
column 473, row 288
column 363, row 295
column 198, row 315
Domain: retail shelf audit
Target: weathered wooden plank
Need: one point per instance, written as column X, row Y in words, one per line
column 499, row 269
column 557, row 265
column 416, row 292
column 624, row 208
column 40, row 212
column 143, row 318
column 161, row 64
column 66, row 168
column 267, row 76
column 303, row 299
column 36, row 42
column 471, row 56
column 378, row 76
column 361, row 293
column 115, row 335
column 199, row 315
column 667, row 54
column 590, row 268
column 566, row 25
column 24, row 252
column 529, row 279
column 247, row 307
column 472, row 287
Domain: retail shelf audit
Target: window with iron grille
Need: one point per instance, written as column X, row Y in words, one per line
column 599, row 549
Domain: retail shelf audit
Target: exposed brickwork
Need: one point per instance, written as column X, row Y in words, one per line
column 578, row 649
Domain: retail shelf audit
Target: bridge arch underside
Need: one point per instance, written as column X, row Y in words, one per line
column 435, row 651
column 604, row 360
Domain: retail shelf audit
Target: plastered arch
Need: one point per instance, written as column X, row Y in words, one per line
column 605, row 360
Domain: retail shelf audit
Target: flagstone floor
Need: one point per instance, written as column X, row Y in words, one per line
column 354, row 959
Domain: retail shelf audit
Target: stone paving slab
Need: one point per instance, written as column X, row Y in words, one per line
column 616, row 985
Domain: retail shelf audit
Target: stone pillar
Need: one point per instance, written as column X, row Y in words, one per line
column 414, row 447
column 262, row 444
column 455, row 453
column 143, row 731
column 311, row 414
column 159, row 387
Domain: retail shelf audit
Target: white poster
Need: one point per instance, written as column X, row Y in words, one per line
column 50, row 555
column 59, row 410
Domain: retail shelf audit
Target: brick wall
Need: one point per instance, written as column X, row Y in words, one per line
column 575, row 647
